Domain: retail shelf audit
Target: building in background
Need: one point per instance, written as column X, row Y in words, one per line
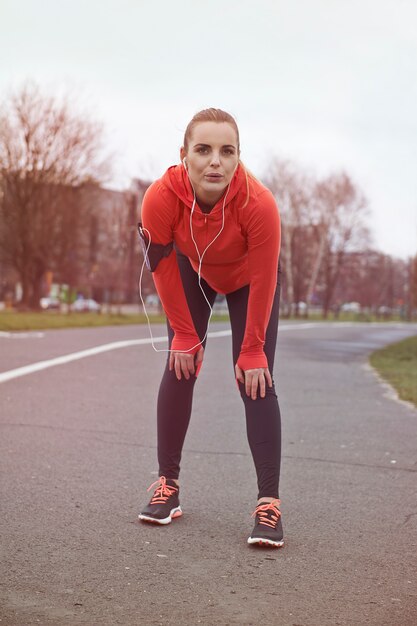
column 101, row 257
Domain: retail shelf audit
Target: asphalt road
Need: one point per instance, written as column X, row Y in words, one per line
column 77, row 452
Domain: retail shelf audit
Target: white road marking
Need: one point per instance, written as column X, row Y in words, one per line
column 21, row 335
column 75, row 356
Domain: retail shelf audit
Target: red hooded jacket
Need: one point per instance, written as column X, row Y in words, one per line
column 245, row 253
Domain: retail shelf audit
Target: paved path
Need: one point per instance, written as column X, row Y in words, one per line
column 77, row 451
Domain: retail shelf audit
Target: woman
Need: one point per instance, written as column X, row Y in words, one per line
column 210, row 227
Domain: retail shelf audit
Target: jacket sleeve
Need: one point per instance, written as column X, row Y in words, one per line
column 158, row 214
column 263, row 233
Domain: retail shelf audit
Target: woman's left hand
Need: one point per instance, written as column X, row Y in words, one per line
column 254, row 378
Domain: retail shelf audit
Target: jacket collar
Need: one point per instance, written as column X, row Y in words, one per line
column 176, row 179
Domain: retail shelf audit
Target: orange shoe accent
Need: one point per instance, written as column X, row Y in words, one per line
column 261, row 511
column 162, row 492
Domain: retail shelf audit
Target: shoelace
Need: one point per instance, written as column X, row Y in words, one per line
column 162, row 492
column 268, row 513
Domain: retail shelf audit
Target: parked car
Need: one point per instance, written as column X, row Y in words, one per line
column 86, row 305
column 152, row 301
column 50, row 304
column 351, row 307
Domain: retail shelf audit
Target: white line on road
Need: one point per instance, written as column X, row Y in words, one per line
column 75, row 356
column 20, row 335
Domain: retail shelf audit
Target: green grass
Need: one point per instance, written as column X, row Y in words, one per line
column 49, row 319
column 397, row 363
column 12, row 321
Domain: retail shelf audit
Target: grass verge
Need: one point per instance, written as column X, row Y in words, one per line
column 12, row 321
column 397, row 364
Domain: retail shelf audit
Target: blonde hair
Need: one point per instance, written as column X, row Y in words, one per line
column 219, row 116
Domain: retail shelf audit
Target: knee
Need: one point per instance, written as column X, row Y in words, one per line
column 182, row 382
column 270, row 392
column 170, row 379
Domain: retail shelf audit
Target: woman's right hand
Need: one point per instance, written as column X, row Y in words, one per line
column 185, row 364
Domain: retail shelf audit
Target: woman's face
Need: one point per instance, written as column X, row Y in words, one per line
column 211, row 158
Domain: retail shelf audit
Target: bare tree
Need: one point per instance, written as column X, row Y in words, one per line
column 113, row 252
column 413, row 289
column 411, row 305
column 375, row 280
column 292, row 190
column 343, row 208
column 47, row 152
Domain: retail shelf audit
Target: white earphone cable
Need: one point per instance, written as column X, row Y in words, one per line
column 200, row 258
column 145, row 258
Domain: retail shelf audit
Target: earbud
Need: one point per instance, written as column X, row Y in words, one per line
column 184, row 162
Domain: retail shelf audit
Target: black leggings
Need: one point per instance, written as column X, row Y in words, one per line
column 263, row 420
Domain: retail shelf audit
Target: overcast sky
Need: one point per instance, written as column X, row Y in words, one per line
column 330, row 84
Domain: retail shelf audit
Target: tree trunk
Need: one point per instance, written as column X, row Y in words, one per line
column 24, row 302
column 25, row 282
column 316, row 268
column 331, row 281
column 36, row 284
column 286, row 231
column 36, row 292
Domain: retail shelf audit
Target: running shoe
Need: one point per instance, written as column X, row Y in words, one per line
column 268, row 526
column 164, row 505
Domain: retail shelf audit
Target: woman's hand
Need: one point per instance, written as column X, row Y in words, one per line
column 185, row 364
column 252, row 379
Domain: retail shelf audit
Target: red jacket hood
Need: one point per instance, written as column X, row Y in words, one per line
column 176, row 179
